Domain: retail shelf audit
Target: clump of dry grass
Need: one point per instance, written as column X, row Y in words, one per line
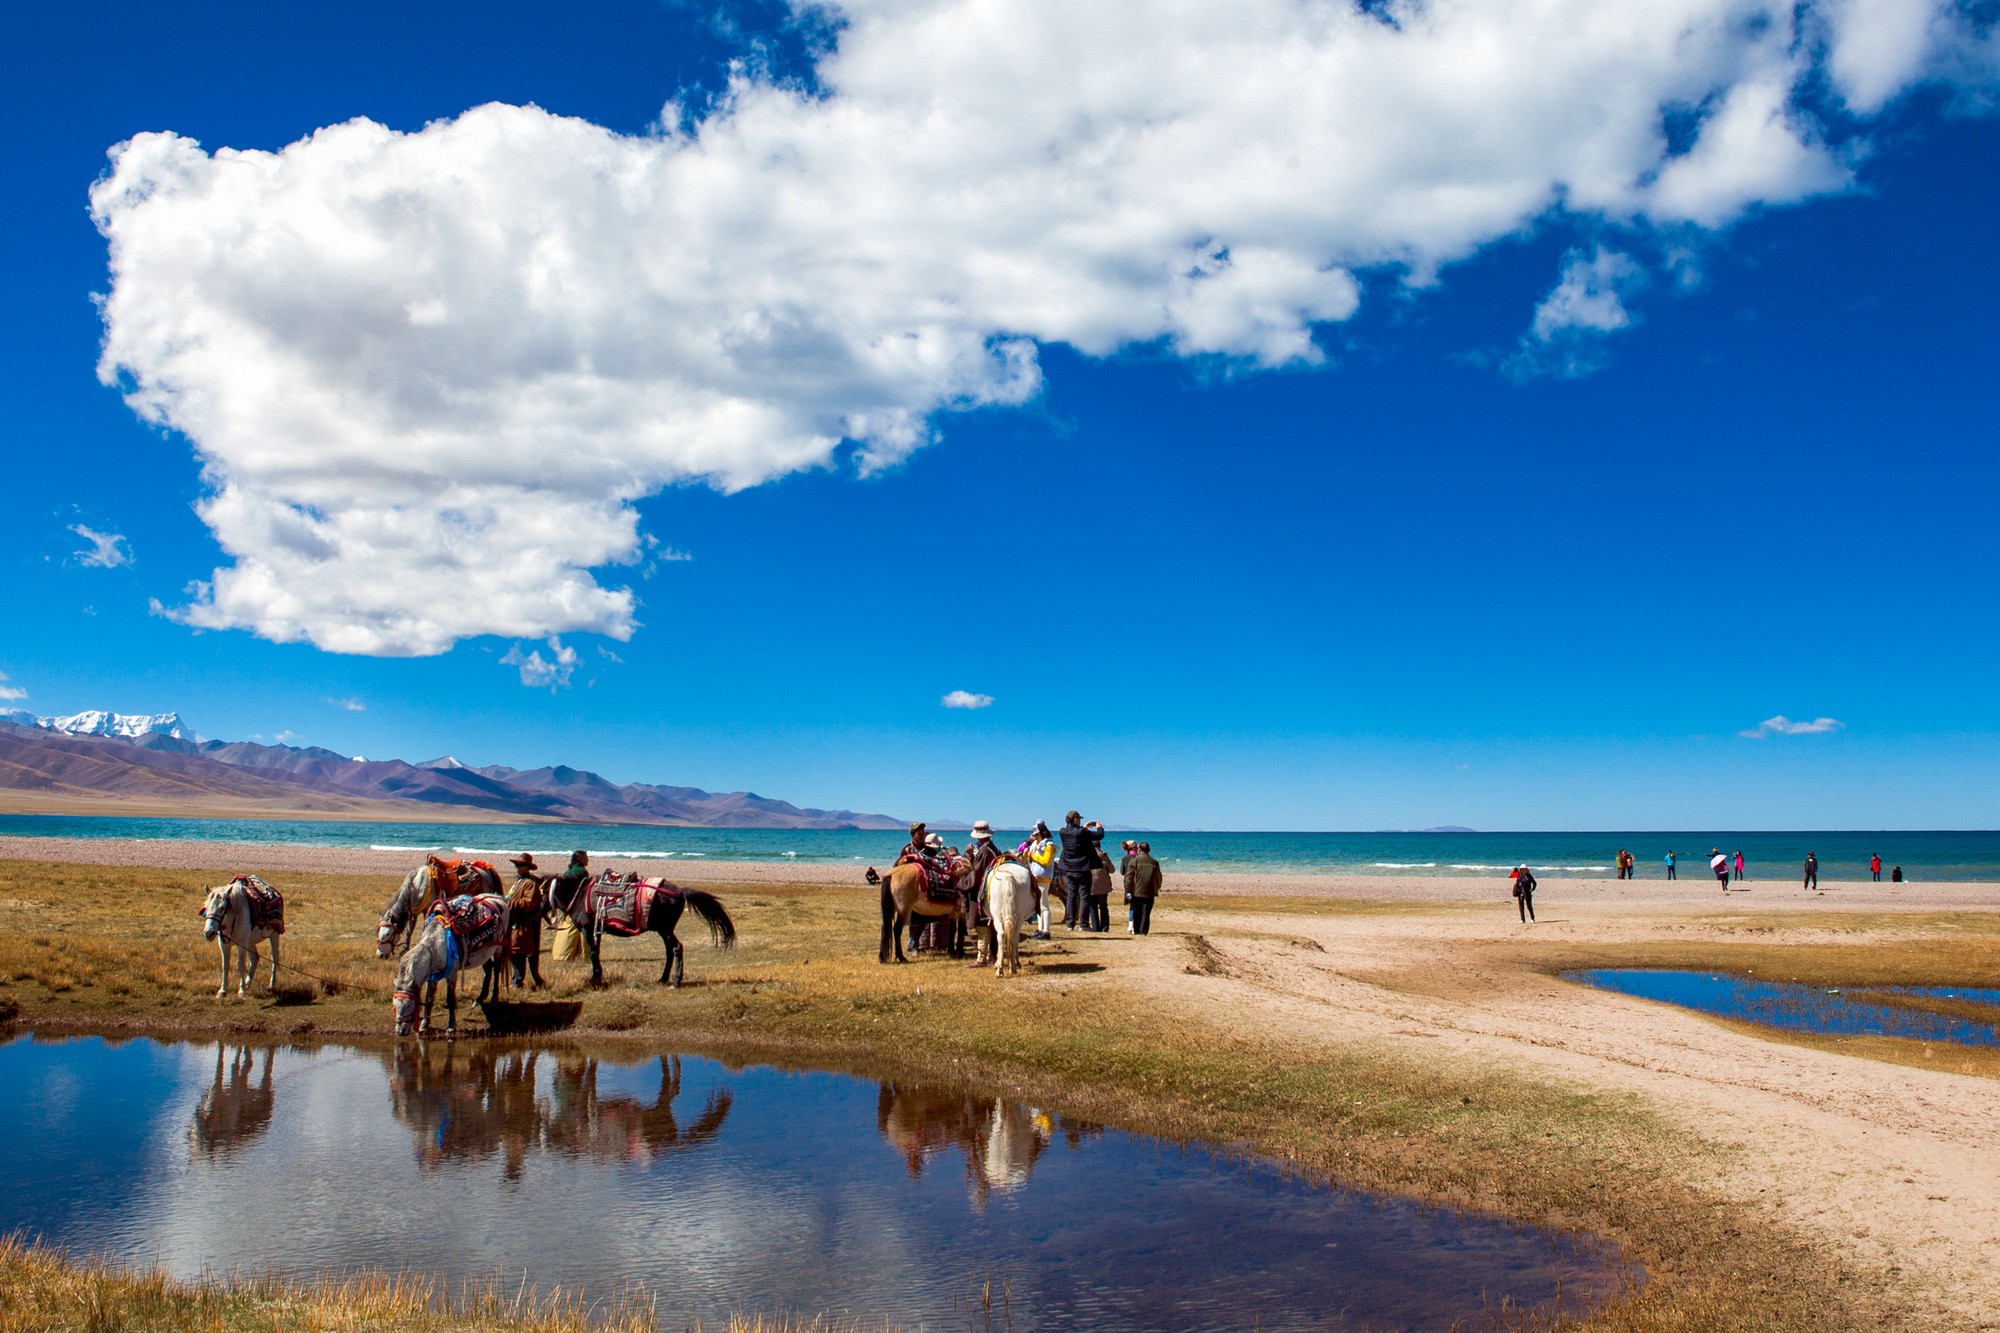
column 42, row 1289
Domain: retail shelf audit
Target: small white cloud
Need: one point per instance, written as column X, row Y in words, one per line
column 1784, row 726
column 537, row 671
column 10, row 692
column 1564, row 340
column 351, row 705
column 966, row 699
column 107, row 550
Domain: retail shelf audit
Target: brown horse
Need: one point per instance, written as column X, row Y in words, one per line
column 903, row 897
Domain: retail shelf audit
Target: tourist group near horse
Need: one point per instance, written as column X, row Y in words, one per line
column 450, row 916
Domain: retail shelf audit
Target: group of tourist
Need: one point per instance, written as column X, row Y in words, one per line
column 1069, row 863
column 1727, row 868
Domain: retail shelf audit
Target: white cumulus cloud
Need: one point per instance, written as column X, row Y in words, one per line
column 107, row 550
column 1784, row 726
column 428, row 373
column 537, row 671
column 351, row 705
column 9, row 693
column 966, row 699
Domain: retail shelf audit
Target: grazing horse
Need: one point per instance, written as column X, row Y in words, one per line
column 226, row 919
column 1010, row 901
column 662, row 914
column 433, row 882
column 439, row 954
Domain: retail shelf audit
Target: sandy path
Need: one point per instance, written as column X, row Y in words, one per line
column 1895, row 1168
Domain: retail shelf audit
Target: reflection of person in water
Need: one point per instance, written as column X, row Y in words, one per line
column 234, row 1110
column 1000, row 1140
column 486, row 1104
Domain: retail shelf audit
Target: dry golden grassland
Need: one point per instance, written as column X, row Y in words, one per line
column 96, row 949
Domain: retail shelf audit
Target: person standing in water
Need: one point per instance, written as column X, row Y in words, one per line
column 1670, row 864
column 1524, row 892
column 1812, row 871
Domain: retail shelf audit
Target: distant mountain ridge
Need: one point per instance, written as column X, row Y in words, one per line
column 158, row 757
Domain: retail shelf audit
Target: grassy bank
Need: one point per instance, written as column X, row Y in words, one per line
column 98, row 948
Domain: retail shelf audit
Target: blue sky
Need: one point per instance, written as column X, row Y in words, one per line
column 1435, row 567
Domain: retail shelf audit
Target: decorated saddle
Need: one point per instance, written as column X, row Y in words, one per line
column 621, row 904
column 938, row 872
column 476, row 922
column 267, row 905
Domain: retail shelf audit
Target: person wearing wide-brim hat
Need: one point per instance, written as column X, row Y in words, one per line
column 982, row 831
column 524, row 865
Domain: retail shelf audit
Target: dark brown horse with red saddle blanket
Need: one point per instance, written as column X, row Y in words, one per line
column 629, row 905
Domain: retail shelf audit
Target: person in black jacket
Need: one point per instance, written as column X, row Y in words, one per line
column 1081, row 854
column 1524, row 892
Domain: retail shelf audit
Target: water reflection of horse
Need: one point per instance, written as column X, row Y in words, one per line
column 236, row 1107
column 1000, row 1140
column 489, row 1104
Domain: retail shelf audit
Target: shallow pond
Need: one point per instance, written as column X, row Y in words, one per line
column 721, row 1190
column 1964, row 1016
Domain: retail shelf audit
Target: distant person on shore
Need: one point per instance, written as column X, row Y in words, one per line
column 569, row 888
column 1718, row 865
column 1896, row 875
column 1082, row 852
column 1144, row 885
column 1739, row 863
column 1097, row 919
column 1039, row 851
column 1812, row 871
column 1131, row 849
column 1875, row 867
column 1620, row 863
column 1524, row 892
column 1670, row 866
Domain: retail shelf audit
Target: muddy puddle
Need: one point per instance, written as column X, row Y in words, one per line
column 1964, row 1016
column 723, row 1190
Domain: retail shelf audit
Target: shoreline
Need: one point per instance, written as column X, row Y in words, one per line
column 283, row 858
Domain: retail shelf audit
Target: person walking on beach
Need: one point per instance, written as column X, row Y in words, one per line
column 1620, row 863
column 1524, row 892
column 1739, row 864
column 1718, row 865
column 1144, row 885
column 1812, row 871
column 1875, row 867
column 1082, row 853
column 1670, row 865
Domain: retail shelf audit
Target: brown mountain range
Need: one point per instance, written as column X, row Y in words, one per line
column 44, row 771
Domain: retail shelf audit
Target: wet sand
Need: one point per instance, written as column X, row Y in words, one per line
column 273, row 860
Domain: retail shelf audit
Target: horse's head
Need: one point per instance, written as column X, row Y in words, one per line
column 416, row 967
column 404, row 1007
column 213, row 911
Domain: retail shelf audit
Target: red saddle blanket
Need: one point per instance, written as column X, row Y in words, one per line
column 479, row 921
column 267, row 905
column 938, row 873
column 622, row 904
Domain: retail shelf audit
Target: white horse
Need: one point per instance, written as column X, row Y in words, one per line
column 226, row 920
column 436, row 957
column 400, row 918
column 1010, row 901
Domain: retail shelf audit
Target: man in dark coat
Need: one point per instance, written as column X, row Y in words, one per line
column 1081, row 853
column 1143, row 877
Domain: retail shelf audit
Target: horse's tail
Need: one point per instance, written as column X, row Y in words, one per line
column 721, row 930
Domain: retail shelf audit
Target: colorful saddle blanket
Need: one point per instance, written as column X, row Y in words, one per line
column 622, row 904
column 938, row 872
column 267, row 905
column 476, row 922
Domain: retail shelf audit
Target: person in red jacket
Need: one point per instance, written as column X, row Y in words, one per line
column 1875, row 867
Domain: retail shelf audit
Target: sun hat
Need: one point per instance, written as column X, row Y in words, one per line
column 982, row 830
column 935, row 840
column 525, row 861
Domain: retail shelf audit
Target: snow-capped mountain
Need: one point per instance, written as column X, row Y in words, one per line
column 125, row 726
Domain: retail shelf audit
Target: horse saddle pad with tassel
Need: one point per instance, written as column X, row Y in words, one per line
column 621, row 903
column 938, row 873
column 479, row 922
column 267, row 905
